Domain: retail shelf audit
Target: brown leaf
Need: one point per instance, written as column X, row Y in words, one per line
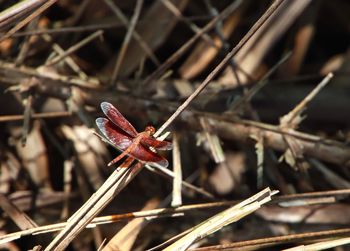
column 34, row 156
column 91, row 151
column 204, row 53
column 227, row 175
column 250, row 57
column 155, row 27
column 320, row 214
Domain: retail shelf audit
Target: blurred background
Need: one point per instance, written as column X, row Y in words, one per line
column 247, row 130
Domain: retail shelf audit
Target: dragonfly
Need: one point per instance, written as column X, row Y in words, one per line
column 123, row 136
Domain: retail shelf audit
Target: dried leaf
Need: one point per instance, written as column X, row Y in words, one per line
column 10, row 168
column 34, row 156
column 154, row 28
column 204, row 53
column 91, row 151
column 227, row 175
column 249, row 58
column 316, row 214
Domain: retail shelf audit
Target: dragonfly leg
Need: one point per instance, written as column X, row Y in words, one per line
column 119, row 157
column 127, row 150
column 127, row 162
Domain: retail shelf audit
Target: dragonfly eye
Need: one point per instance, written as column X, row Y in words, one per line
column 150, row 129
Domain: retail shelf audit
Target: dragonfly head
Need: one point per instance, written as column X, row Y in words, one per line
column 150, row 129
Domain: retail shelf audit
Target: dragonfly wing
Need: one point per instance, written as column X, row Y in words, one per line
column 114, row 134
column 145, row 155
column 157, row 144
column 118, row 119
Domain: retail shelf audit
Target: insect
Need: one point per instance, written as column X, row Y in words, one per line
column 121, row 134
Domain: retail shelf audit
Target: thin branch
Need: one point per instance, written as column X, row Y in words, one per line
column 16, row 11
column 44, row 115
column 279, row 240
column 301, row 106
column 177, row 181
column 170, row 174
column 20, row 25
column 321, row 245
column 135, row 34
column 191, row 25
column 260, row 84
column 74, row 48
column 127, row 39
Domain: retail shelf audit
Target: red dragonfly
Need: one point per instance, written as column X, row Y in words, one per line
column 121, row 134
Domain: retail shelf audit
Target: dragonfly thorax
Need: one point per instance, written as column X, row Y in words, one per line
column 150, row 129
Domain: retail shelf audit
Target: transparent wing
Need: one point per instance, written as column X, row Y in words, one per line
column 157, row 144
column 114, row 134
column 118, row 119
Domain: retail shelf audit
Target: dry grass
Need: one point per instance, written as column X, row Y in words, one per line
column 253, row 95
